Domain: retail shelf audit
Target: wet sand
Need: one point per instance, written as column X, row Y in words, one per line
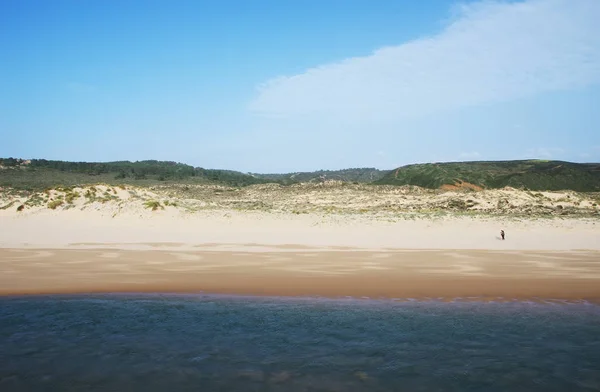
column 290, row 270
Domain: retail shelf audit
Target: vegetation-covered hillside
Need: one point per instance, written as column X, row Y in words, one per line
column 362, row 175
column 531, row 174
column 534, row 175
column 41, row 173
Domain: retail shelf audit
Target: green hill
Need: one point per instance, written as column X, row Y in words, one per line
column 40, row 173
column 531, row 174
column 362, row 175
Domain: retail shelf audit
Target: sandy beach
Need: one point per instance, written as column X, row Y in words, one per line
column 125, row 247
column 434, row 274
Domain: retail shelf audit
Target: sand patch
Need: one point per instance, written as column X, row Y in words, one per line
column 186, row 256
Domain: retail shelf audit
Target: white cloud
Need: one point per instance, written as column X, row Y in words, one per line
column 489, row 52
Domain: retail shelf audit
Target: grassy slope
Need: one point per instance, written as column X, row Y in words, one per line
column 532, row 174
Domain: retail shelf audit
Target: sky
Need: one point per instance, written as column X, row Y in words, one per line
column 270, row 86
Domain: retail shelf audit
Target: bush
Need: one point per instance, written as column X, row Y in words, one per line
column 153, row 205
column 8, row 205
column 457, row 204
column 36, row 200
column 56, row 203
column 90, row 194
column 71, row 196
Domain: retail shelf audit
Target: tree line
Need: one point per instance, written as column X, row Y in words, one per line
column 139, row 170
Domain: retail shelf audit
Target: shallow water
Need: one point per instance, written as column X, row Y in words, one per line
column 211, row 343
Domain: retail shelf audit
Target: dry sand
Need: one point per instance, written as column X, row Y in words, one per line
column 120, row 245
column 231, row 230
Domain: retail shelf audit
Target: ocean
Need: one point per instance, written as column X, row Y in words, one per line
column 153, row 342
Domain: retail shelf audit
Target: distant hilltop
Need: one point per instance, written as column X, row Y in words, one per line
column 536, row 175
column 529, row 174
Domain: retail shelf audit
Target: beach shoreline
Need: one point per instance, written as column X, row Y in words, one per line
column 398, row 274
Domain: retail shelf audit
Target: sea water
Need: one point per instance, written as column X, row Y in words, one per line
column 211, row 343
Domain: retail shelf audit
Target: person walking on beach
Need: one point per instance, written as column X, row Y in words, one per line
column 502, row 234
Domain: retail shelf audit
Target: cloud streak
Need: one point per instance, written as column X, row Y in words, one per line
column 489, row 52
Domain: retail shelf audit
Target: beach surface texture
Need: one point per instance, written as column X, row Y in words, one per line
column 123, row 245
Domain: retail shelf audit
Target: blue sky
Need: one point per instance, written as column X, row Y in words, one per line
column 278, row 86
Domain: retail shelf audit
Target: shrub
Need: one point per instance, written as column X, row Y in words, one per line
column 20, row 208
column 36, row 200
column 457, row 204
column 71, row 196
column 8, row 205
column 153, row 205
column 89, row 194
column 56, row 203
